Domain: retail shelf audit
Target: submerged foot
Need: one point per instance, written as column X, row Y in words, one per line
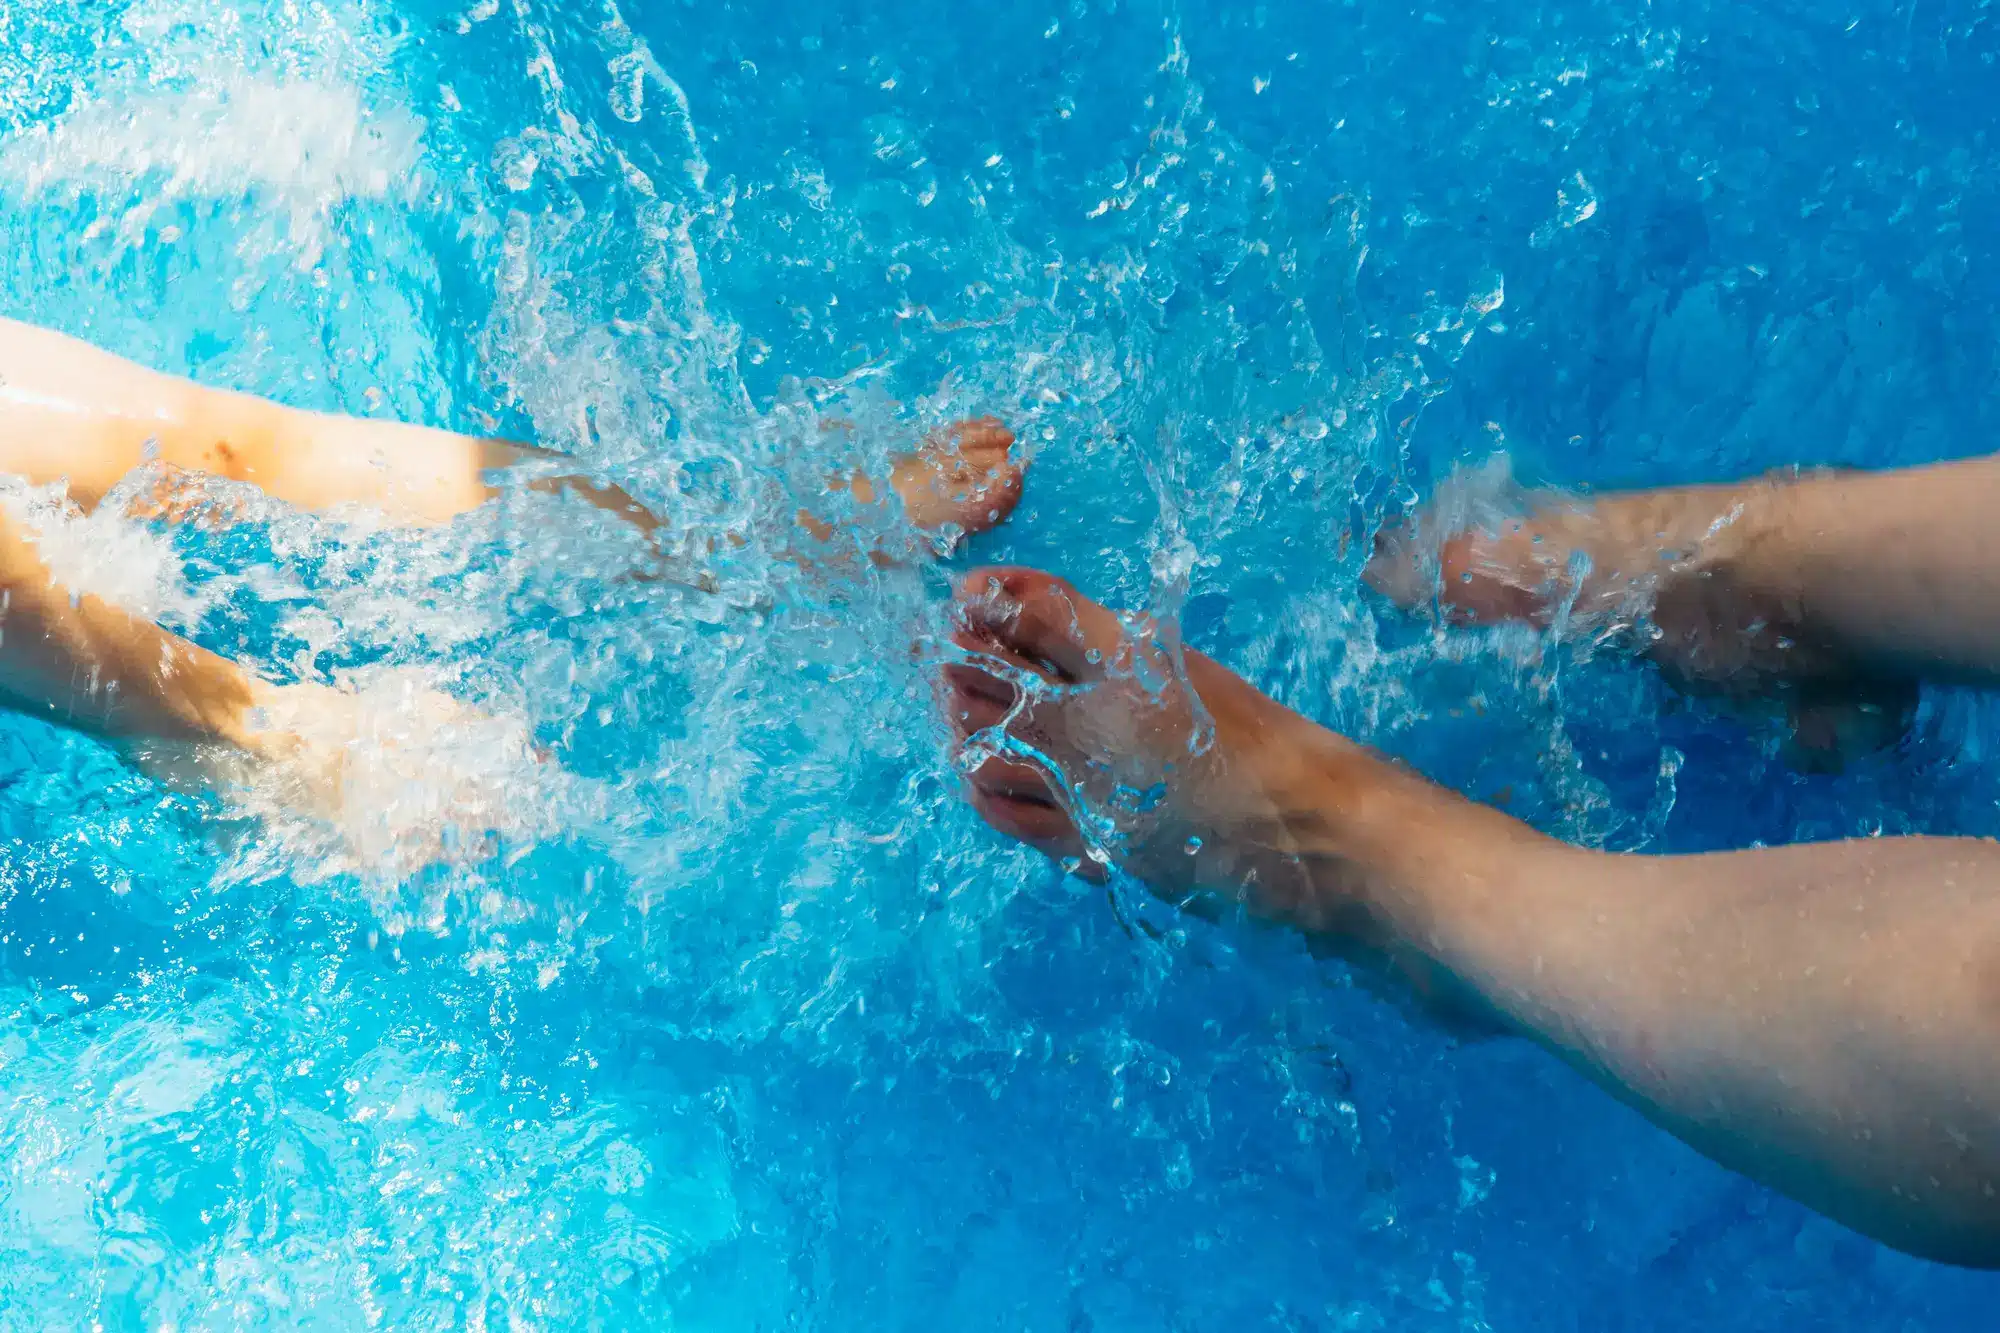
column 1543, row 558
column 1661, row 571
column 967, row 477
column 403, row 775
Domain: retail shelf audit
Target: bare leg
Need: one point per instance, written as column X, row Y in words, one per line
column 82, row 662
column 70, row 412
column 385, row 769
column 1823, row 1018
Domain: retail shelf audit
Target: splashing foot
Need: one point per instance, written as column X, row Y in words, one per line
column 1088, row 736
column 967, row 477
column 1666, row 573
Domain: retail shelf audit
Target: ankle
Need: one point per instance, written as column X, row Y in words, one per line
column 1301, row 818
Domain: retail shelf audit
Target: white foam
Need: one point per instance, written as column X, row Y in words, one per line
column 393, row 775
column 302, row 147
column 132, row 567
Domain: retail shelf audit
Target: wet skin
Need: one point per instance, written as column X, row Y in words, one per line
column 1822, row 1018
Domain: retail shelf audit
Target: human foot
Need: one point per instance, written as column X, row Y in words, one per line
column 966, row 477
column 405, row 775
column 1491, row 553
column 1684, row 575
column 1085, row 734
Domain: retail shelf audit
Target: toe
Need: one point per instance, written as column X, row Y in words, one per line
column 1040, row 619
column 999, row 491
column 964, row 476
column 1491, row 580
column 982, row 441
column 976, row 699
column 1015, row 800
column 1478, row 576
column 1395, row 568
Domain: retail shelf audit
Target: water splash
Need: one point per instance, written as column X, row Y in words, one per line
column 751, row 1008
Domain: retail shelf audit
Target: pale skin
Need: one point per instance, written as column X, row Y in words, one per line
column 1822, row 1018
column 74, row 414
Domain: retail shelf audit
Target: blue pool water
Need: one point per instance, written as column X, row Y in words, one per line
column 749, row 1025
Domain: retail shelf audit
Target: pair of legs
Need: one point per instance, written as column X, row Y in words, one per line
column 1824, row 1018
column 74, row 414
column 1820, row 1017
